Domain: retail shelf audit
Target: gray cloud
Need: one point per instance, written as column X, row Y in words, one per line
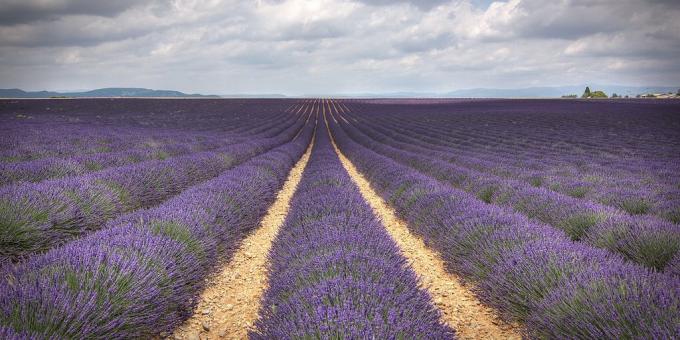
column 297, row 46
column 25, row 11
column 579, row 18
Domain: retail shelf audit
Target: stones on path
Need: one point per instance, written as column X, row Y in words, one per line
column 228, row 306
column 460, row 308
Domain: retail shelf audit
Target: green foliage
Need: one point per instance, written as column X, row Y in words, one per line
column 19, row 224
column 93, row 166
column 536, row 181
column 578, row 192
column 486, row 194
column 593, row 94
column 655, row 250
column 635, row 206
column 399, row 192
column 586, row 93
column 179, row 233
column 227, row 159
column 414, row 195
column 122, row 193
column 577, row 226
column 161, row 155
column 102, row 149
column 673, row 215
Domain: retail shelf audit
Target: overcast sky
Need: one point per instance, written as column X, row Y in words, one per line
column 336, row 46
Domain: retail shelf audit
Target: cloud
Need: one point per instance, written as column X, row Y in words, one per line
column 300, row 46
column 422, row 4
column 25, row 11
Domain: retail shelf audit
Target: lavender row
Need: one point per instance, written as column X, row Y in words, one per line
column 530, row 272
column 335, row 272
column 633, row 194
column 552, row 137
column 643, row 239
column 605, row 183
column 58, row 167
column 36, row 217
column 26, row 142
column 652, row 192
column 207, row 115
column 605, row 130
column 142, row 278
column 32, row 140
column 484, row 147
column 556, row 136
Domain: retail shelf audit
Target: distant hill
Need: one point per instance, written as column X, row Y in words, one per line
column 528, row 92
column 106, row 92
column 558, row 91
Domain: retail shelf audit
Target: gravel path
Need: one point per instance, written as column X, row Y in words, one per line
column 228, row 306
column 460, row 309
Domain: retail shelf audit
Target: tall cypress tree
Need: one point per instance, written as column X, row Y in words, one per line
column 586, row 93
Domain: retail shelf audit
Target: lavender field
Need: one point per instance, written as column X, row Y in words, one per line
column 339, row 219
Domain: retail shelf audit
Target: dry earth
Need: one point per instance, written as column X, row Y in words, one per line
column 460, row 309
column 229, row 305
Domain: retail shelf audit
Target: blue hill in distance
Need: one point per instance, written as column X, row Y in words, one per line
column 529, row 92
column 105, row 92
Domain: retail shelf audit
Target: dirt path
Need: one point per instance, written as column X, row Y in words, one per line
column 228, row 306
column 460, row 308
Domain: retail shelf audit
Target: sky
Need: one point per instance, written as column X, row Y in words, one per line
column 298, row 47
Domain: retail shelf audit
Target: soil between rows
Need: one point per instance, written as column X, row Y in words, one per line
column 461, row 310
column 229, row 305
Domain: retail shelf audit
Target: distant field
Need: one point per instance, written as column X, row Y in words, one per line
column 353, row 218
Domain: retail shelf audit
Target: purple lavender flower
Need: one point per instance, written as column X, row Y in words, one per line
column 335, row 272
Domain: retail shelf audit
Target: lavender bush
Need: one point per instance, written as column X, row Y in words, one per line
column 548, row 153
column 80, row 164
column 578, row 219
column 496, row 249
column 335, row 272
column 141, row 277
column 38, row 216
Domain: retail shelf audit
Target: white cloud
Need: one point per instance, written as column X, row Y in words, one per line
column 304, row 46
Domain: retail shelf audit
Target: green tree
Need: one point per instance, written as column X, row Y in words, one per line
column 586, row 93
column 598, row 94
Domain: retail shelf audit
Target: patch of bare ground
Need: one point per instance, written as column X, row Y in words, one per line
column 229, row 305
column 461, row 310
